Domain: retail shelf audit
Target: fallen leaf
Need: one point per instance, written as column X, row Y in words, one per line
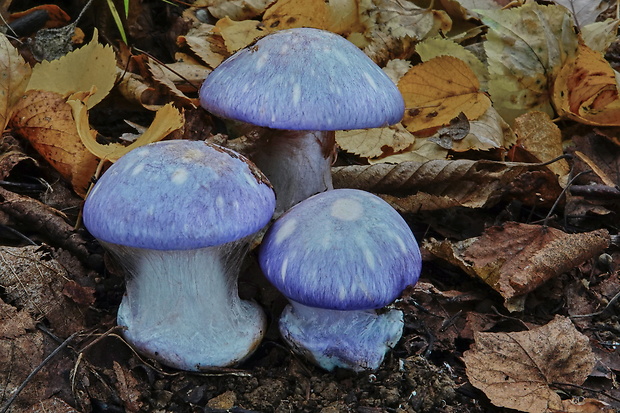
column 517, row 370
column 236, row 9
column 515, row 259
column 92, row 65
column 578, row 405
column 586, row 90
column 57, row 17
column 396, row 68
column 526, row 47
column 288, row 14
column 537, row 134
column 371, row 143
column 238, row 35
column 14, row 76
column 600, row 35
column 46, row 121
column 127, row 388
column 167, row 119
column 583, row 11
column 472, row 184
column 440, row 46
column 436, row 91
column 165, row 75
column 205, row 44
column 405, row 19
column 487, row 132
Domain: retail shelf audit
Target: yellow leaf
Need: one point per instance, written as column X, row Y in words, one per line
column 80, row 70
column 206, row 44
column 45, row 120
column 600, row 35
column 238, row 35
column 167, row 119
column 436, row 91
column 586, row 90
column 371, row 143
column 14, row 75
column 526, row 47
column 287, row 14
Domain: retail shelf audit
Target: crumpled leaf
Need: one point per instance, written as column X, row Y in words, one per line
column 45, row 120
column 78, row 71
column 206, row 44
column 472, row 184
column 405, row 19
column 14, row 76
column 515, row 259
column 167, row 119
column 542, row 138
column 288, row 14
column 516, row 370
column 371, row 143
column 586, row 90
column 238, row 35
column 487, row 132
column 526, row 47
column 167, row 75
column 422, row 150
column 435, row 92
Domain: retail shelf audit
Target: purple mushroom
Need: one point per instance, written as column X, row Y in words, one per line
column 303, row 84
column 337, row 257
column 179, row 216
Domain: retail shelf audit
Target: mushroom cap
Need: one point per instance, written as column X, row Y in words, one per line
column 343, row 249
column 178, row 195
column 303, row 79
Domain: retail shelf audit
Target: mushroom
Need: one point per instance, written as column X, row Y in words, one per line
column 303, row 84
column 178, row 216
column 338, row 256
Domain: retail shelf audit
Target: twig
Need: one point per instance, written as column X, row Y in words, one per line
column 557, row 200
column 609, row 304
column 35, row 371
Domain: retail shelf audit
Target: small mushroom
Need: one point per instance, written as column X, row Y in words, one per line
column 338, row 257
column 303, row 84
column 179, row 216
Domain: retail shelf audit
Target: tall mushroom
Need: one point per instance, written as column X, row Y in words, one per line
column 338, row 256
column 178, row 216
column 303, row 84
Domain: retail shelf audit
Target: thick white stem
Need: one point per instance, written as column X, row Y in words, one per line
column 182, row 307
column 356, row 340
column 297, row 163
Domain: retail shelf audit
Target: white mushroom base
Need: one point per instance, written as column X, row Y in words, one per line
column 355, row 340
column 182, row 308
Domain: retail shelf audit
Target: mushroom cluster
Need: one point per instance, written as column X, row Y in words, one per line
column 303, row 84
column 179, row 216
column 338, row 256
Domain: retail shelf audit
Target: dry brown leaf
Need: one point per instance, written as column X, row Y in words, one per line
column 127, row 388
column 134, row 88
column 436, row 91
column 422, row 150
column 472, row 184
column 205, row 44
column 538, row 135
column 14, row 76
column 489, row 131
column 585, row 406
column 166, row 75
column 167, row 120
column 238, row 35
column 78, row 71
column 586, row 90
column 516, row 370
column 34, row 282
column 405, row 19
column 46, row 121
column 516, row 258
column 235, row 9
column 371, row 143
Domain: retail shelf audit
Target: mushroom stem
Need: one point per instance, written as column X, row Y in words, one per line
column 297, row 163
column 357, row 340
column 182, row 308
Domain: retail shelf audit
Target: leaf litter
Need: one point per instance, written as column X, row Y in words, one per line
column 517, row 307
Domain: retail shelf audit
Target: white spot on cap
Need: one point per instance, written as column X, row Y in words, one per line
column 219, row 201
column 342, row 293
column 179, row 176
column 284, row 48
column 347, row 209
column 296, row 94
column 283, row 269
column 137, row 169
column 370, row 258
column 399, row 241
column 285, row 231
column 370, row 81
column 262, row 60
